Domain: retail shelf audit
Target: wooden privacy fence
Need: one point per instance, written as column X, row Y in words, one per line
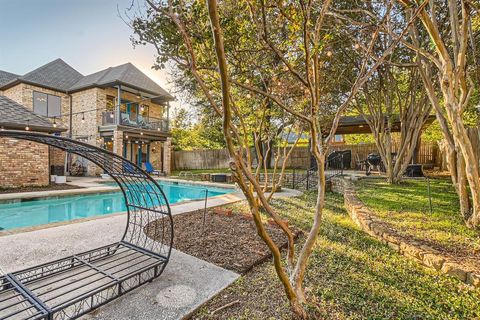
column 474, row 136
column 428, row 154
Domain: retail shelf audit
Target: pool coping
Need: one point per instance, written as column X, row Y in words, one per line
column 82, row 190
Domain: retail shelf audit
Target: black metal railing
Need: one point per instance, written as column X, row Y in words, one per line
column 307, row 179
column 151, row 123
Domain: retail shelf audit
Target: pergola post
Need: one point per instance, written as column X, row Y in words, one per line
column 118, row 114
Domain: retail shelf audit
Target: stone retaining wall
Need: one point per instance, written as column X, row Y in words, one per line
column 423, row 254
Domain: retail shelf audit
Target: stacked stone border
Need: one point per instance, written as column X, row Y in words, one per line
column 369, row 223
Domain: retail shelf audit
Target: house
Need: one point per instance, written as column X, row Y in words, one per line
column 118, row 108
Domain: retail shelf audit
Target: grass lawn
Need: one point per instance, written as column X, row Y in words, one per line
column 350, row 276
column 406, row 208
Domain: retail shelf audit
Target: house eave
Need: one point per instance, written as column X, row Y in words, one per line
column 161, row 97
column 21, row 127
column 15, row 82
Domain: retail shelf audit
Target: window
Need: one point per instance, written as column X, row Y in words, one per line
column 144, row 111
column 46, row 104
column 110, row 103
column 339, row 138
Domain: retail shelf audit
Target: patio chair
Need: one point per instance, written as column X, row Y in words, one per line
column 126, row 120
column 359, row 163
column 142, row 122
column 150, row 170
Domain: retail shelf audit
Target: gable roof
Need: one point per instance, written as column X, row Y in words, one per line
column 6, row 77
column 60, row 76
column 15, row 116
column 56, row 75
column 126, row 74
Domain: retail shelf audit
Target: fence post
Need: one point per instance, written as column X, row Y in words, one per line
column 429, row 195
column 293, row 179
column 341, row 168
column 205, row 211
column 308, row 177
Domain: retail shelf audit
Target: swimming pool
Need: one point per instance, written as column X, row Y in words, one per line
column 49, row 210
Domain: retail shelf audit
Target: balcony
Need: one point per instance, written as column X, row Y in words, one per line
column 150, row 123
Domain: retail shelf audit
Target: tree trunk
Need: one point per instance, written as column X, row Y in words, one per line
column 462, row 188
column 471, row 171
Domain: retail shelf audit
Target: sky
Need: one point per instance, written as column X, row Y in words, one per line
column 87, row 34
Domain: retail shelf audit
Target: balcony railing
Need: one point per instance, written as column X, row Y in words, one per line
column 161, row 125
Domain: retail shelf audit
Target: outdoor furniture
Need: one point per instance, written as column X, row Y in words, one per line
column 149, row 168
column 219, row 177
column 142, row 122
column 414, row 171
column 126, row 120
column 70, row 287
column 360, row 164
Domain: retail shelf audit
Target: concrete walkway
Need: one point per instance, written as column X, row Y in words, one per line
column 186, row 283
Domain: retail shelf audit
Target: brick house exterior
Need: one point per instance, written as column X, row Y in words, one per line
column 23, row 163
column 118, row 108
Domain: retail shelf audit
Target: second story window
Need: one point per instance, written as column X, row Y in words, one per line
column 47, row 104
column 110, row 103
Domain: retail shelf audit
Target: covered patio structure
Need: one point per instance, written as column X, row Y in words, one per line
column 354, row 154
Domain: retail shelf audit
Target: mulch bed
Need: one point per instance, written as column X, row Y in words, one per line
column 35, row 189
column 228, row 241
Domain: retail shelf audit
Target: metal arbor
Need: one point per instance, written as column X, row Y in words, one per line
column 72, row 286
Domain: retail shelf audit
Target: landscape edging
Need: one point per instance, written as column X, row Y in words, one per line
column 369, row 223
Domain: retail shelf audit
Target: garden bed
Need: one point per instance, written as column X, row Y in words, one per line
column 227, row 240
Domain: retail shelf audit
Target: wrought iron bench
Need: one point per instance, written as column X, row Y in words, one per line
column 70, row 287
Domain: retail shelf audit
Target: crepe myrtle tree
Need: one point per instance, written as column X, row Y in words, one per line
column 295, row 35
column 445, row 45
column 395, row 95
column 179, row 30
column 276, row 54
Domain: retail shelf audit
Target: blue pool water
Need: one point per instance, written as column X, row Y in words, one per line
column 43, row 211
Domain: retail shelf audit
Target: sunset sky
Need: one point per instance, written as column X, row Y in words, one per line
column 88, row 34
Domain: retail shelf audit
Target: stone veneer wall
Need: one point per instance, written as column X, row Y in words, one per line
column 87, row 131
column 167, row 156
column 23, row 163
column 156, row 155
column 423, row 254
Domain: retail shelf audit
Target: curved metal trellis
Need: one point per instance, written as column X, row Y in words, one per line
column 70, row 287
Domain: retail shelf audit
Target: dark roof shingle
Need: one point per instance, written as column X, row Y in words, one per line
column 126, row 74
column 56, row 75
column 6, row 77
column 14, row 115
